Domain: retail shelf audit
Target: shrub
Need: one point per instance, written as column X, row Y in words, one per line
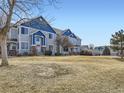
column 33, row 51
column 25, row 54
column 58, row 54
column 12, row 53
column 31, row 54
column 18, row 55
column 48, row 53
column 74, row 53
column 106, row 51
column 85, row 52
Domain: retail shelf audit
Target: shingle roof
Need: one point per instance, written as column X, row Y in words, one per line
column 66, row 32
column 58, row 31
column 69, row 33
column 39, row 23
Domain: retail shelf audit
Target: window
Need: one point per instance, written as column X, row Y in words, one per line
column 13, row 47
column 71, row 35
column 24, row 45
column 37, row 39
column 50, row 36
column 65, row 49
column 41, row 19
column 42, row 41
column 24, row 30
column 50, row 47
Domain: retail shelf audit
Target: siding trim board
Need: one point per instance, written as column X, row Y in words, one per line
column 39, row 34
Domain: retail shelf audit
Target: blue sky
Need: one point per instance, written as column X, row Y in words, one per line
column 92, row 20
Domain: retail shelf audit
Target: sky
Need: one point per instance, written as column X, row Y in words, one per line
column 94, row 21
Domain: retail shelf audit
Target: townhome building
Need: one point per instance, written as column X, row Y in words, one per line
column 99, row 51
column 34, row 35
column 73, row 39
column 37, row 35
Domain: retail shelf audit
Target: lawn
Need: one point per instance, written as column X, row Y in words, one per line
column 69, row 74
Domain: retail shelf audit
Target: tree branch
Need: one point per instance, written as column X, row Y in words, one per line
column 23, row 19
column 3, row 11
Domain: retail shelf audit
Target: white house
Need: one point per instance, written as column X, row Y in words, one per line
column 85, row 48
column 99, row 51
column 73, row 39
column 36, row 35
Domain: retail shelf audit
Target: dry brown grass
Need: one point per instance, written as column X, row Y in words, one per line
column 70, row 74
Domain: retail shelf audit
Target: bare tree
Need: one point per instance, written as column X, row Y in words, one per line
column 62, row 41
column 58, row 43
column 17, row 11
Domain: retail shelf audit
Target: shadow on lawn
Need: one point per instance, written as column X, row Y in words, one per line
column 9, row 67
column 119, row 59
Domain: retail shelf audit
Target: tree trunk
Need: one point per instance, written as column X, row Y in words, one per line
column 4, row 54
column 122, row 50
column 122, row 55
column 58, row 49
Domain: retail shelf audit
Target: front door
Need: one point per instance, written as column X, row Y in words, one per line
column 38, row 44
column 38, row 47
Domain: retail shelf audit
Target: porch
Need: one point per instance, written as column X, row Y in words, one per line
column 38, row 43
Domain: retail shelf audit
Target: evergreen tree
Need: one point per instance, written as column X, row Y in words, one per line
column 117, row 42
column 106, row 51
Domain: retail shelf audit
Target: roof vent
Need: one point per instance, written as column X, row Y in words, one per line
column 41, row 19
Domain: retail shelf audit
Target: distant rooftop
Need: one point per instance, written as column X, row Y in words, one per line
column 66, row 32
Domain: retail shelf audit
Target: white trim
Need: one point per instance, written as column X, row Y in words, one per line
column 37, row 31
column 44, row 38
column 24, row 26
column 31, row 40
column 39, row 36
column 10, row 33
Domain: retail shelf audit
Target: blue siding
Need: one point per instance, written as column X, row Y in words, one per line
column 69, row 33
column 39, row 33
column 33, row 39
column 39, row 24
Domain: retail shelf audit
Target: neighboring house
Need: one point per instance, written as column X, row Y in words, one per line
column 99, row 51
column 89, row 48
column 85, row 48
column 36, row 35
column 73, row 39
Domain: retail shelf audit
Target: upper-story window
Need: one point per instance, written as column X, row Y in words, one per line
column 71, row 35
column 24, row 30
column 50, row 36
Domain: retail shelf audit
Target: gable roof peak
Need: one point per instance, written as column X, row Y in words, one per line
column 67, row 29
column 39, row 23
